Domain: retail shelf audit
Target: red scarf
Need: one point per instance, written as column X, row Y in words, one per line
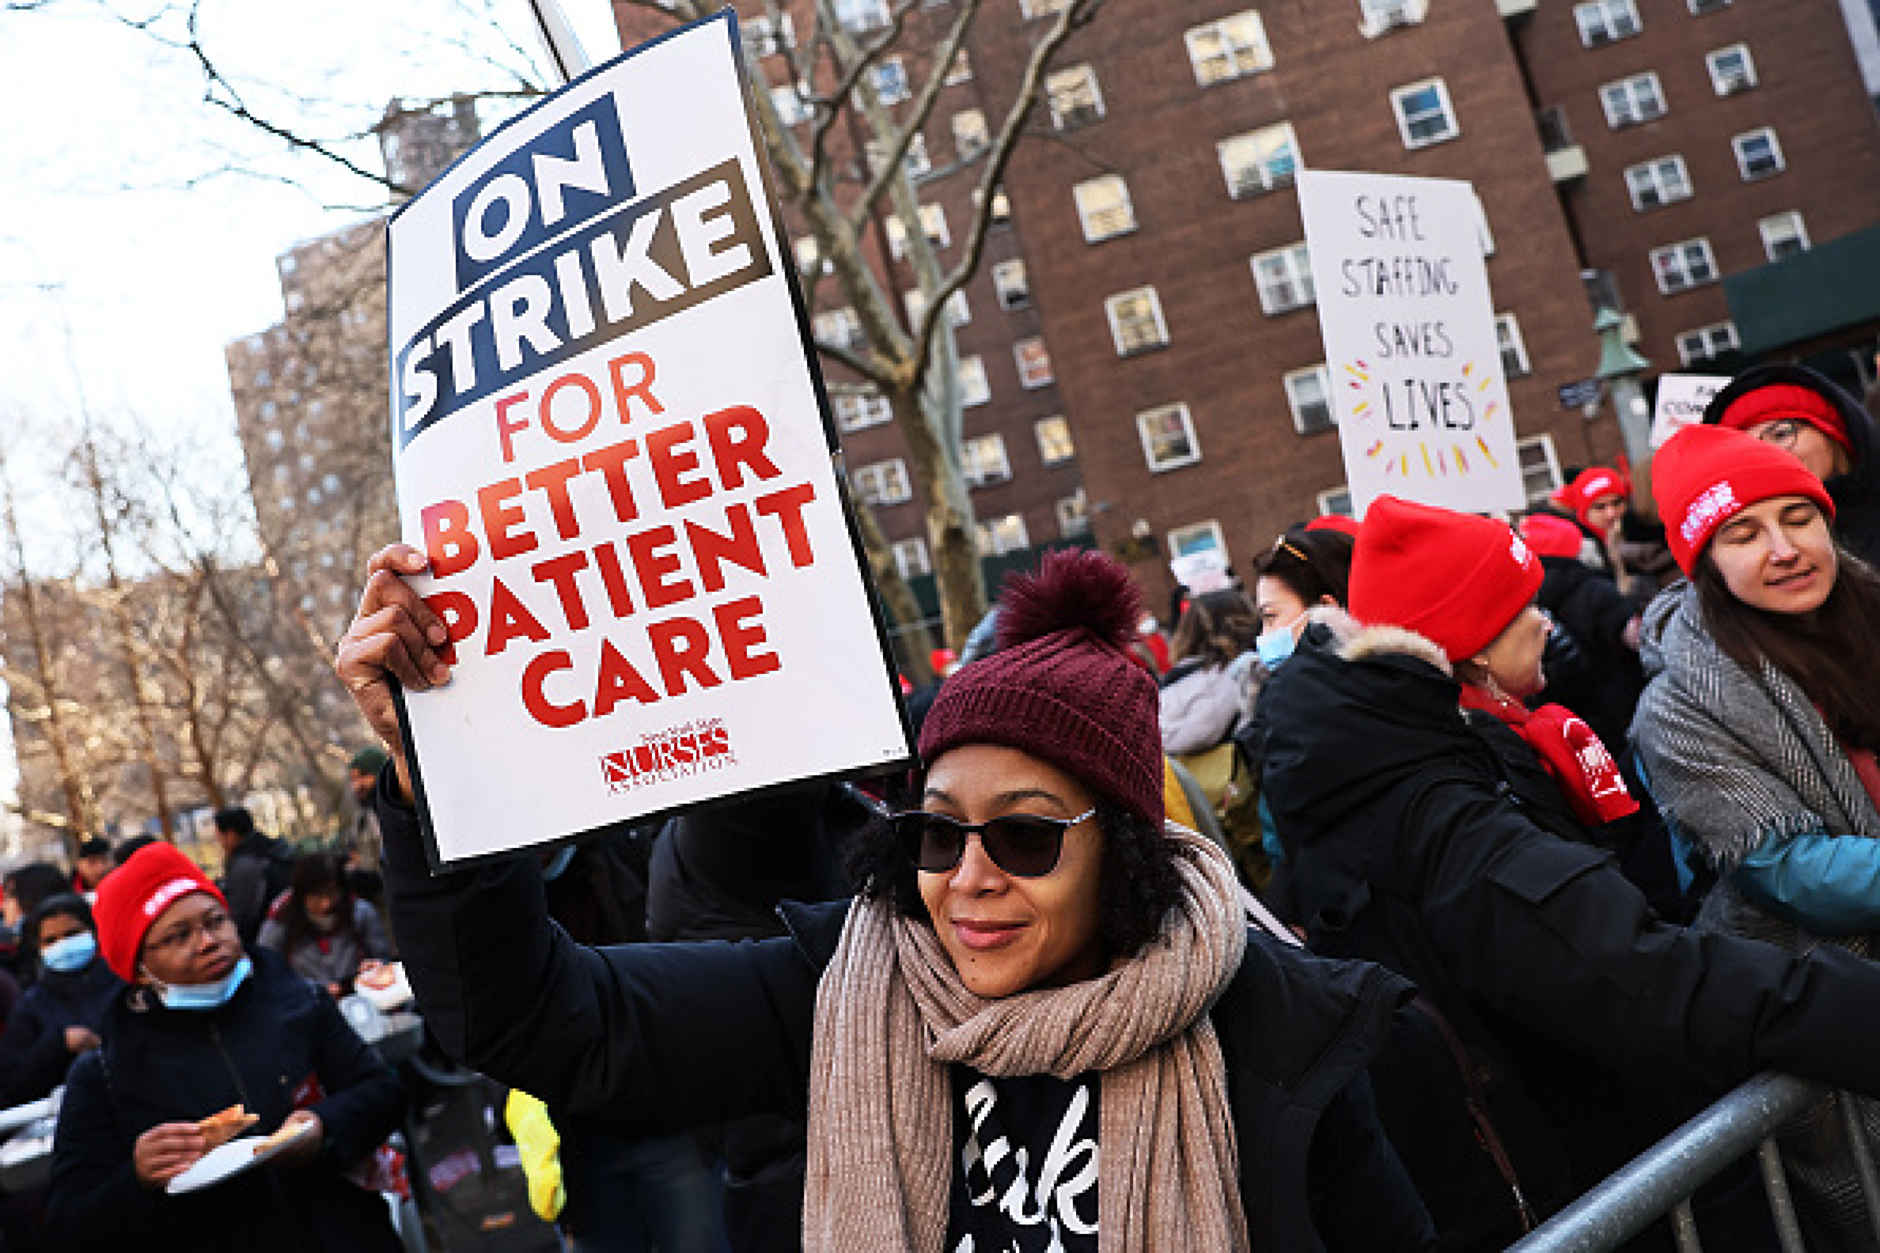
column 1581, row 767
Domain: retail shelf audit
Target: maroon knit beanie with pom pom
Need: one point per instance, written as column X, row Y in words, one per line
column 1062, row 685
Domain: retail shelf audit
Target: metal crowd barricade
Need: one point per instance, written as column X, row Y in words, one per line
column 1661, row 1180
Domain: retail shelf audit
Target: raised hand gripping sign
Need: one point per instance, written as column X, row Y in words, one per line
column 611, row 440
column 1410, row 343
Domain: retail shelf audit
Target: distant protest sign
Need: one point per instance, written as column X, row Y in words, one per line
column 610, row 439
column 1681, row 401
column 1410, row 345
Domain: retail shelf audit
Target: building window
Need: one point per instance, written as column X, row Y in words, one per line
column 891, row 80
column 1034, row 363
column 1385, row 15
column 958, row 312
column 1168, row 437
column 1001, row 212
column 1758, row 155
column 983, row 460
column 1136, row 321
column 911, row 559
column 1682, row 266
column 1284, row 277
column 1424, row 116
column 1632, row 100
column 1336, row 501
column 856, row 412
column 1197, row 537
column 960, row 70
column 1658, row 182
column 1783, row 235
column 1514, row 358
column 933, row 221
column 1731, row 69
column 914, row 157
column 1104, row 208
column 1041, row 8
column 1705, row 342
column 999, row 536
column 1540, row 468
column 1054, row 440
column 767, row 34
column 1230, row 47
column 883, row 483
column 840, row 327
column 862, row 15
column 974, row 389
column 1008, row 281
column 1258, row 161
column 791, row 105
column 1073, row 515
column 970, row 136
column 1074, row 98
column 1603, row 21
column 1309, row 394
column 1700, row 7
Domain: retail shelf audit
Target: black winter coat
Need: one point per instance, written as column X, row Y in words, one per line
column 669, row 1035
column 1437, row 846
column 277, row 1044
column 1603, row 680
column 33, row 1056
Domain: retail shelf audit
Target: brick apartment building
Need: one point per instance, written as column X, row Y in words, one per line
column 1140, row 352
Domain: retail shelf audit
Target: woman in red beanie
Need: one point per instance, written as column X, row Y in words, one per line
column 1760, row 728
column 1043, row 1023
column 205, row 1027
column 1445, row 834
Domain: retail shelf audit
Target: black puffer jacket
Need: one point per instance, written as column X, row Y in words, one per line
column 33, row 1056
column 276, row 1046
column 1857, row 493
column 667, row 1035
column 1437, row 845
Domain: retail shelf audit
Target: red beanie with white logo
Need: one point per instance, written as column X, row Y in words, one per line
column 1457, row 579
column 134, row 896
column 1706, row 475
column 1589, row 487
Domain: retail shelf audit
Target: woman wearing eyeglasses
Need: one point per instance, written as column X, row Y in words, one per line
column 1042, row 1024
column 205, row 1026
column 1760, row 729
column 1803, row 412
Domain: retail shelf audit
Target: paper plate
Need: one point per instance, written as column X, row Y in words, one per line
column 231, row 1159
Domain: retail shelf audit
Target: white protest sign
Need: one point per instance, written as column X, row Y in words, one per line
column 1410, row 345
column 1681, row 401
column 609, row 442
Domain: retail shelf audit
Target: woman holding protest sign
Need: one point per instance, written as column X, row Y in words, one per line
column 1043, row 1022
column 1446, row 830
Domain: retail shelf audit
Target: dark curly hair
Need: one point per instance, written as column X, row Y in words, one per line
column 1141, row 881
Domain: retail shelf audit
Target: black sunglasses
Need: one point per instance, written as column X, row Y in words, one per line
column 1024, row 845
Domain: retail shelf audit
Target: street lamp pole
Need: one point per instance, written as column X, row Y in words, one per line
column 1619, row 369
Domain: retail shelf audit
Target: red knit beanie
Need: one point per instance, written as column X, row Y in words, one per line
column 133, row 896
column 1786, row 401
column 1706, row 475
column 1062, row 685
column 1334, row 522
column 1590, row 486
column 1550, row 535
column 1457, row 579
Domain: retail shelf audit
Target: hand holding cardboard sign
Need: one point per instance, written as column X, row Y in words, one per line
column 394, row 635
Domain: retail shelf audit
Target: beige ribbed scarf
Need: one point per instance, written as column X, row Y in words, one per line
column 891, row 1015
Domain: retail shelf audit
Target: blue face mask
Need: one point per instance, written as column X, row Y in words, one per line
column 204, row 996
column 74, row 952
column 1276, row 645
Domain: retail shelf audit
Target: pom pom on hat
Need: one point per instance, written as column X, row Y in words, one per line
column 1457, row 579
column 1063, row 685
column 135, row 895
column 1706, row 475
column 1777, row 402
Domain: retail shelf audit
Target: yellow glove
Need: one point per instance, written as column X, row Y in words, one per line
column 540, row 1145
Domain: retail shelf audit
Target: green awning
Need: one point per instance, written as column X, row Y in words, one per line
column 1808, row 296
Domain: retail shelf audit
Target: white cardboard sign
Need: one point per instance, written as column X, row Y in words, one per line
column 1410, row 345
column 1681, row 401
column 610, row 439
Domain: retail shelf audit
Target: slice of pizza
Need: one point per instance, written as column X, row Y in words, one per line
column 287, row 1132
column 219, row 1129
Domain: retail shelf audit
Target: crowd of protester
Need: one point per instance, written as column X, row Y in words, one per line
column 1399, row 897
